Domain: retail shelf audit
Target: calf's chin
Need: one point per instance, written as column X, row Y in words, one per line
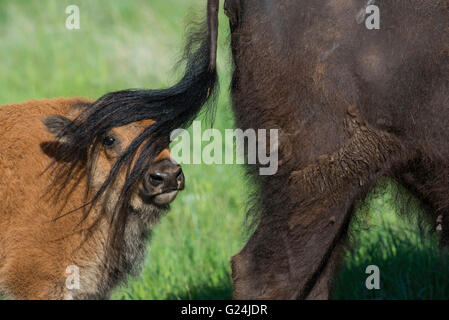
column 149, row 212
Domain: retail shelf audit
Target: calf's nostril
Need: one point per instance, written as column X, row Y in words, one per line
column 179, row 175
column 156, row 179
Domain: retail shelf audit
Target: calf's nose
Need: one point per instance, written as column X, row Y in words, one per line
column 167, row 178
column 164, row 176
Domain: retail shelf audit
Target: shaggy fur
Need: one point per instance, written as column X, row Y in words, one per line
column 352, row 105
column 41, row 236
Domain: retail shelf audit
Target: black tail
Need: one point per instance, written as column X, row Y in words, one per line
column 171, row 108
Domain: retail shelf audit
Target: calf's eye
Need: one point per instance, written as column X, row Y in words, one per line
column 108, row 141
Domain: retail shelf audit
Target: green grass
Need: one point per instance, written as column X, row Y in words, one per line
column 135, row 43
column 411, row 263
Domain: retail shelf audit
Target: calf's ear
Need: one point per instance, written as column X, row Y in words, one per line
column 60, row 127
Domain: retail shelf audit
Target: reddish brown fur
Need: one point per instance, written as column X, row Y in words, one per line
column 36, row 248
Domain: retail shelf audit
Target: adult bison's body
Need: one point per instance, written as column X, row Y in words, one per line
column 40, row 238
column 352, row 105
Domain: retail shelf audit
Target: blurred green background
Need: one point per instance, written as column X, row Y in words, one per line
column 135, row 43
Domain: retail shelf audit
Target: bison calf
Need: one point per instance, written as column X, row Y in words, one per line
column 42, row 236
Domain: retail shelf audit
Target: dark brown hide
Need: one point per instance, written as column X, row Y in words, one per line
column 352, row 105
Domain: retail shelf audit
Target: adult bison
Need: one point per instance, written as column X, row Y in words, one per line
column 352, row 105
column 44, row 235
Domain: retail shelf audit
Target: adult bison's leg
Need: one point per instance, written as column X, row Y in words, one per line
column 280, row 262
column 426, row 177
column 288, row 252
column 323, row 285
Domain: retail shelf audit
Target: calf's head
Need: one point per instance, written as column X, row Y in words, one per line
column 154, row 190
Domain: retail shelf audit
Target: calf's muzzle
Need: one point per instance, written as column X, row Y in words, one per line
column 162, row 182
